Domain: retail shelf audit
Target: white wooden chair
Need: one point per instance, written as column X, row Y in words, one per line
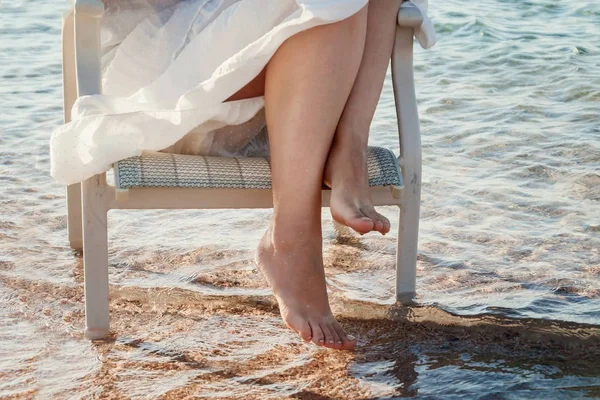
column 90, row 201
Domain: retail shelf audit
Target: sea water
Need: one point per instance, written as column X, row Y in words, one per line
column 509, row 251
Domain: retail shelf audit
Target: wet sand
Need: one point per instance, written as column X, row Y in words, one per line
column 173, row 344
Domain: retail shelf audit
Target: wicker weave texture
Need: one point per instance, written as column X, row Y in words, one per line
column 183, row 171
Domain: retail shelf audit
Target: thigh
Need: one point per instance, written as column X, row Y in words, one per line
column 255, row 88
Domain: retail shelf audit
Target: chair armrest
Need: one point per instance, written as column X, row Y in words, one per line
column 410, row 16
column 88, row 14
column 406, row 106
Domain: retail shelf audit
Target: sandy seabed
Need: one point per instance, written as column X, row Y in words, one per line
column 173, row 344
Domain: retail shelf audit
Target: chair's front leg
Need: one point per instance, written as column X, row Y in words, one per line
column 410, row 156
column 95, row 256
column 406, row 253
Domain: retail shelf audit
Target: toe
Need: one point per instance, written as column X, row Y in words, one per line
column 363, row 226
column 318, row 336
column 336, row 336
column 360, row 223
column 352, row 218
column 380, row 223
column 299, row 325
column 330, row 340
column 348, row 342
column 305, row 332
column 386, row 225
column 370, row 212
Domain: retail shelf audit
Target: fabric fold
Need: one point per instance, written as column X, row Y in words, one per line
column 425, row 34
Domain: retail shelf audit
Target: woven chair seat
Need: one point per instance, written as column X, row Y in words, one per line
column 154, row 170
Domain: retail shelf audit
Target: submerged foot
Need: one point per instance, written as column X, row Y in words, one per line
column 347, row 176
column 294, row 269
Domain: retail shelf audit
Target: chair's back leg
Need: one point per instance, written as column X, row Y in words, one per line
column 94, row 192
column 69, row 96
column 74, row 220
column 410, row 161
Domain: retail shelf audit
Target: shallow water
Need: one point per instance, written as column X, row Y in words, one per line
column 509, row 102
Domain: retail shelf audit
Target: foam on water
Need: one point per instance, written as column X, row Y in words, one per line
column 509, row 103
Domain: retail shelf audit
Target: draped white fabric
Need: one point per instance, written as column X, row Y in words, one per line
column 167, row 70
column 425, row 34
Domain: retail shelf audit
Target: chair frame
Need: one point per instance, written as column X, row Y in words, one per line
column 88, row 202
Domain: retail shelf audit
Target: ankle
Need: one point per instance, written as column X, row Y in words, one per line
column 352, row 147
column 286, row 235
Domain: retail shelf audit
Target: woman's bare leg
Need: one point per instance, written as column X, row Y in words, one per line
column 255, row 88
column 346, row 171
column 308, row 82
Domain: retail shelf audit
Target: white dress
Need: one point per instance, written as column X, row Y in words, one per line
column 167, row 70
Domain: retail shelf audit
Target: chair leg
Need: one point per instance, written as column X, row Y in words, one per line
column 95, row 257
column 74, row 221
column 406, row 256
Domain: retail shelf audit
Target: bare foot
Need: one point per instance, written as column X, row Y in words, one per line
column 293, row 266
column 347, row 176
